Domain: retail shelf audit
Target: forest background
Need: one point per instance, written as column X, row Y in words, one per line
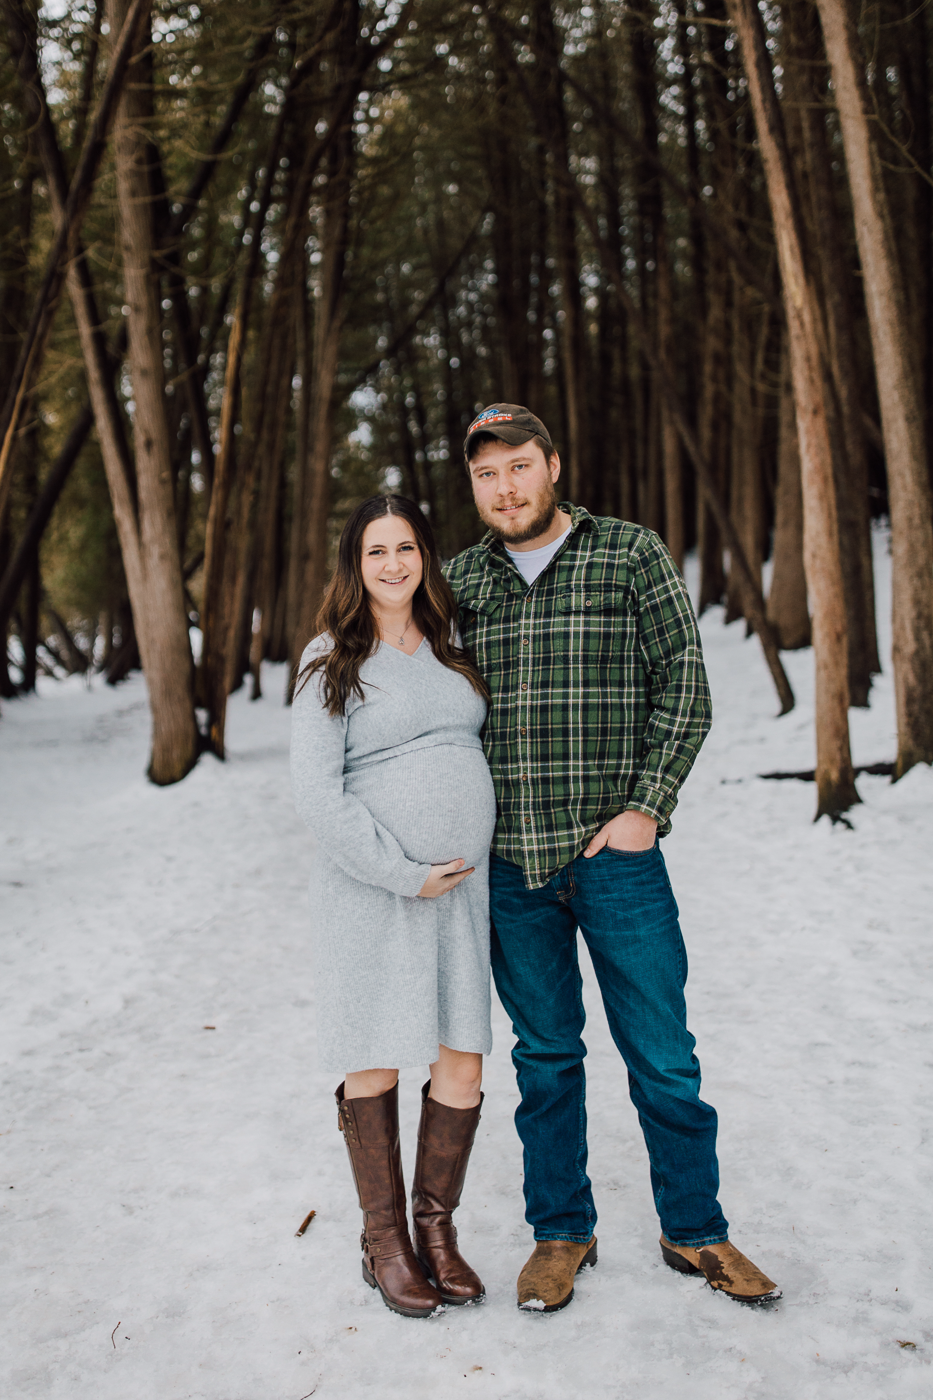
column 262, row 258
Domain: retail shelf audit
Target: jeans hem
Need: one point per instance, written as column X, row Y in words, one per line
column 698, row 1244
column 571, row 1239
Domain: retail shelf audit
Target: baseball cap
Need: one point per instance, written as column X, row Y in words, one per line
column 508, row 421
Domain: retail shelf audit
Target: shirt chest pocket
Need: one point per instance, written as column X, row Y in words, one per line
column 480, row 630
column 590, row 621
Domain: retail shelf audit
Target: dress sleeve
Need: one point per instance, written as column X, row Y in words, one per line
column 343, row 827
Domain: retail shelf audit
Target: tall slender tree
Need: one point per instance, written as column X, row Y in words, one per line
column 163, row 635
column 902, row 415
column 836, row 791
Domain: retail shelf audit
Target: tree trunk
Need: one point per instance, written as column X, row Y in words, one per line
column 573, row 349
column 902, row 417
column 745, row 464
column 296, row 534
column 805, row 85
column 787, row 598
column 713, row 421
column 714, row 408
column 164, row 637
column 30, row 596
column 672, row 467
column 915, row 64
column 328, row 325
column 270, row 450
column 834, row 775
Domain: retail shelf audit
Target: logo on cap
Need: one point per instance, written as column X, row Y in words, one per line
column 492, row 415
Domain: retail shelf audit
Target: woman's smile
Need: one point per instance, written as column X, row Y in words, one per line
column 389, row 543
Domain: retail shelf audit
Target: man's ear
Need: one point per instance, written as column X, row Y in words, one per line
column 554, row 464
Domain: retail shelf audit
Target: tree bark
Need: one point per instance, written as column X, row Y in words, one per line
column 329, row 310
column 270, row 451
column 745, row 463
column 164, row 637
column 834, row 776
column 787, row 597
column 671, row 464
column 714, row 407
column 573, row 349
column 902, row 417
column 296, row 533
column 805, row 87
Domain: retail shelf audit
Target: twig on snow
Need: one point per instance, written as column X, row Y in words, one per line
column 298, row 1234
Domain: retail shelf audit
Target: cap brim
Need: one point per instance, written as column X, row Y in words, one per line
column 513, row 436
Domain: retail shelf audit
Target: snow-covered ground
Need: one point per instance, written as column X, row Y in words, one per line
column 154, row 1171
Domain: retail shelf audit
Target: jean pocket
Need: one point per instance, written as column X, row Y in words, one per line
column 631, row 855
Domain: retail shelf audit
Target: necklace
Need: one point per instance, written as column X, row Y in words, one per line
column 401, row 640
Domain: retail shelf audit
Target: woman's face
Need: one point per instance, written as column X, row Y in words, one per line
column 391, row 564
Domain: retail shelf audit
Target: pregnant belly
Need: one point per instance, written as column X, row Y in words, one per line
column 438, row 803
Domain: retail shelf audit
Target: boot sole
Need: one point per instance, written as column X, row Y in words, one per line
column 588, row 1261
column 369, row 1277
column 455, row 1300
column 683, row 1266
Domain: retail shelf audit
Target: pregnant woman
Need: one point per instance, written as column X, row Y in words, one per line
column 389, row 774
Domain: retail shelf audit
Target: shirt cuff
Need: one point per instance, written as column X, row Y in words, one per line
column 654, row 802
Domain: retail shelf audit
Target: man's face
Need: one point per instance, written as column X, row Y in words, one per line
column 513, row 488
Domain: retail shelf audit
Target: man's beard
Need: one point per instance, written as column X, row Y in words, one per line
column 539, row 523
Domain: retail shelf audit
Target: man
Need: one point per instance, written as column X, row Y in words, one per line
column 584, row 631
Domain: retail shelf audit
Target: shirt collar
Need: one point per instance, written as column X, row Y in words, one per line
column 580, row 519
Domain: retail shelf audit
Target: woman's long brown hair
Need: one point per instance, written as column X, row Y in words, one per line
column 347, row 616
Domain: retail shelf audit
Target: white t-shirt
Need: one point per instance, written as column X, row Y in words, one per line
column 531, row 562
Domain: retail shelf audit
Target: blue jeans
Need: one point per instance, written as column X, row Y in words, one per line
column 625, row 909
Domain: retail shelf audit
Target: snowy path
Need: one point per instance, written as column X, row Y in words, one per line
column 154, row 1172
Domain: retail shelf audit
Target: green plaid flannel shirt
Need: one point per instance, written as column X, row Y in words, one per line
column 600, row 700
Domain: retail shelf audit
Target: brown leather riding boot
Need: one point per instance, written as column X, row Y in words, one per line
column 370, row 1130
column 445, row 1138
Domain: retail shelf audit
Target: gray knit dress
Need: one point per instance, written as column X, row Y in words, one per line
column 395, row 786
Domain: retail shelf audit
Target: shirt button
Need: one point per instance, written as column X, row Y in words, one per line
column 524, row 685
column 528, row 821
column 524, row 641
column 523, row 731
column 589, row 603
column 524, row 777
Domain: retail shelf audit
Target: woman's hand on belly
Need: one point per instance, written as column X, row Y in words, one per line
column 443, row 878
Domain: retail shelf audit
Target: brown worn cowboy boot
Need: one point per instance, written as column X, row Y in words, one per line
column 725, row 1268
column 545, row 1284
column 445, row 1137
column 370, row 1130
